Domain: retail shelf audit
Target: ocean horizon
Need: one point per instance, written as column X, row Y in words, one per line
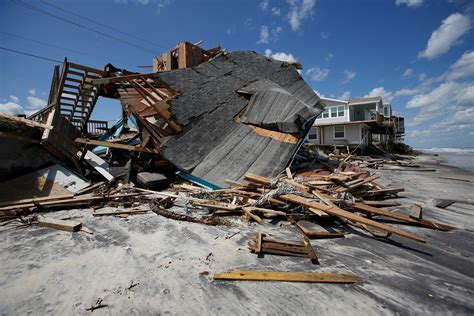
column 461, row 157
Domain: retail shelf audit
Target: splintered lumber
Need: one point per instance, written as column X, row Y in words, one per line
column 35, row 200
column 335, row 211
column 455, row 179
column 258, row 247
column 116, row 145
column 382, row 191
column 381, row 203
column 305, row 277
column 401, row 217
column 121, row 212
column 82, row 200
column 310, row 250
column 314, row 230
column 364, row 181
column 66, row 225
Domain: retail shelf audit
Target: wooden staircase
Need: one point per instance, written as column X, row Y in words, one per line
column 77, row 96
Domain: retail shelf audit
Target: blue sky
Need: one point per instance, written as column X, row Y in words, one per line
column 416, row 54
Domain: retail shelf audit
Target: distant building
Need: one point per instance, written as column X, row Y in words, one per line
column 354, row 123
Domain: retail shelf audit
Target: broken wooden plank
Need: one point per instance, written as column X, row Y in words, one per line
column 258, row 248
column 25, row 121
column 116, row 145
column 314, row 230
column 66, row 225
column 70, row 202
column 310, row 250
column 35, row 200
column 305, row 277
column 416, row 212
column 350, row 216
column 401, row 217
column 380, row 203
column 121, row 212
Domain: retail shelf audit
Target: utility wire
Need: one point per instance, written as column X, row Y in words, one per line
column 63, row 48
column 31, row 55
column 31, row 7
column 101, row 24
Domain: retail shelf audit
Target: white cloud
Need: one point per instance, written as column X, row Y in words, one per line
column 11, row 108
column 409, row 3
column 14, row 99
column 422, row 76
column 35, row 102
column 408, row 73
column 160, row 4
column 462, row 68
column 264, row 35
column 387, row 96
column 406, row 92
column 276, row 11
column 349, row 75
column 267, row 35
column 264, row 5
column 324, row 35
column 442, row 101
column 32, row 91
column 447, row 35
column 441, row 94
column 275, row 31
column 299, row 11
column 346, row 95
column 317, row 74
column 280, row 56
column 329, row 56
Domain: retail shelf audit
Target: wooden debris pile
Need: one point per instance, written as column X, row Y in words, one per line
column 311, row 198
column 379, row 162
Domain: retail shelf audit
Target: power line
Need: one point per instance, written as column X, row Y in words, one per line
column 101, row 24
column 31, row 7
column 31, row 55
column 63, row 48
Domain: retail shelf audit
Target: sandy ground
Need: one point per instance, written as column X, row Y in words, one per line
column 44, row 271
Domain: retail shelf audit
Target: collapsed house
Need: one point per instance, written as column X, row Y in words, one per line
column 213, row 115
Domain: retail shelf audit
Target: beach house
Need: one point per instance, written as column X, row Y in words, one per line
column 356, row 123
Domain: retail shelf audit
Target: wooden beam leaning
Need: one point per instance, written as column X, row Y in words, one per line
column 115, row 145
column 305, row 277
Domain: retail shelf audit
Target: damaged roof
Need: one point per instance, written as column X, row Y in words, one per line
column 225, row 134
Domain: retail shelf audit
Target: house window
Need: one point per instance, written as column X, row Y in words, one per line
column 313, row 133
column 325, row 113
column 334, row 111
column 339, row 132
column 340, row 110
